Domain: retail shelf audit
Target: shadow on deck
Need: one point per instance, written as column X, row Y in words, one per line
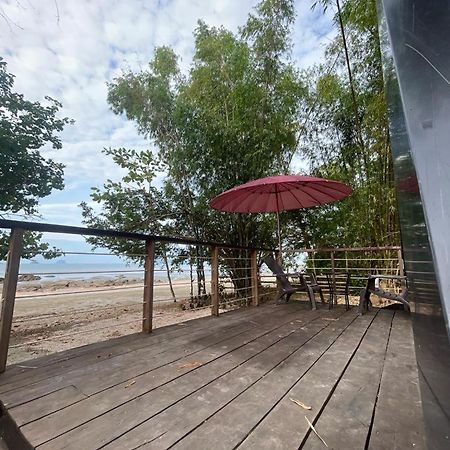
column 227, row 383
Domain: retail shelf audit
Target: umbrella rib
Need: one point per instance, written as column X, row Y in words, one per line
column 296, row 198
column 336, row 184
column 318, row 202
column 232, row 199
column 333, row 199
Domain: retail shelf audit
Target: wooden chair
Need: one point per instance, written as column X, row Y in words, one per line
column 373, row 287
column 285, row 288
column 339, row 284
column 310, row 279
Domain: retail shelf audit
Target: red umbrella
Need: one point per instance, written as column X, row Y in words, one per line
column 280, row 193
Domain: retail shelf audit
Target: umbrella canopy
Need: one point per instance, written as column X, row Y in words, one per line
column 280, row 193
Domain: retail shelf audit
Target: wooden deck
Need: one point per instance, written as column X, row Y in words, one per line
column 226, row 383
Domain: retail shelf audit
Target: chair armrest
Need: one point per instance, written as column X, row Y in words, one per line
column 388, row 277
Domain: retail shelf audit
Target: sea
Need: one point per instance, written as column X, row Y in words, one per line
column 82, row 271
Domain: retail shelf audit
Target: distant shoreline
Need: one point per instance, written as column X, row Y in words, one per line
column 36, row 288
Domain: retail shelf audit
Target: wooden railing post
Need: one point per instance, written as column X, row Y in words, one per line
column 401, row 267
column 215, row 281
column 313, row 262
column 149, row 277
column 333, row 274
column 9, row 292
column 254, row 268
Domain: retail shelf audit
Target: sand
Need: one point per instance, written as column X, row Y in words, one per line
column 52, row 316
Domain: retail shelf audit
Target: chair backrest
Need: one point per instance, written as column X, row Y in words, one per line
column 310, row 278
column 278, row 271
column 341, row 282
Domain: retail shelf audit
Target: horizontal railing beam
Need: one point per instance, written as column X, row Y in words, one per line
column 341, row 249
column 67, row 229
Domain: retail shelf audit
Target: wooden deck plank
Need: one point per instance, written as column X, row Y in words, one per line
column 398, row 421
column 285, row 426
column 104, row 374
column 44, row 361
column 346, row 418
column 229, row 375
column 168, row 427
column 81, row 412
column 232, row 387
column 57, row 400
column 46, row 366
column 305, row 379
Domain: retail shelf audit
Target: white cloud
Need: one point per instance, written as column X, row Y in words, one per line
column 71, row 51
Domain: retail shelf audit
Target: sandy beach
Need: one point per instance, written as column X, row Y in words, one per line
column 51, row 316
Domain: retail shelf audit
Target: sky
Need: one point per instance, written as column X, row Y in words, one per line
column 70, row 49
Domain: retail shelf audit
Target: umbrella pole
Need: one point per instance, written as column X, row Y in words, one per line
column 279, row 236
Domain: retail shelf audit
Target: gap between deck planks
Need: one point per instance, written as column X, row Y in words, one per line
column 159, row 344
column 116, row 417
column 346, row 420
column 45, row 366
column 167, row 426
column 239, row 397
column 266, row 413
column 131, row 363
column 152, row 378
column 398, row 421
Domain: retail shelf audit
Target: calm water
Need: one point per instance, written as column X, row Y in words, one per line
column 73, row 271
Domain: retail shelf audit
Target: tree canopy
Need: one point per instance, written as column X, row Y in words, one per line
column 243, row 111
column 346, row 135
column 26, row 176
column 232, row 118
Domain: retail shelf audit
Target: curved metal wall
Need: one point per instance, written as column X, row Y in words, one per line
column 415, row 42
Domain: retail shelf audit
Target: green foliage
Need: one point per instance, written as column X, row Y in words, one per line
column 131, row 204
column 232, row 118
column 26, row 176
column 242, row 112
column 349, row 140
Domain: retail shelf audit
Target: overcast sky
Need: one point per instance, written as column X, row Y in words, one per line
column 69, row 49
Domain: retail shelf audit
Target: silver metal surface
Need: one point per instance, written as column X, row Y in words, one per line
column 415, row 42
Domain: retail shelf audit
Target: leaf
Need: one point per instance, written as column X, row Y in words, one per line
column 315, row 431
column 190, row 365
column 299, row 403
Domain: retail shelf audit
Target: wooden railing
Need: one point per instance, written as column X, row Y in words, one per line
column 248, row 285
column 15, row 252
column 359, row 262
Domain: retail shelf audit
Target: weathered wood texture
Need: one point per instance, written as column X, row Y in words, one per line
column 215, row 281
column 149, row 278
column 229, row 383
column 9, row 293
column 255, row 280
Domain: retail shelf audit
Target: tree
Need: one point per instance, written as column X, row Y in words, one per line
column 346, row 135
column 232, row 118
column 26, row 176
column 131, row 204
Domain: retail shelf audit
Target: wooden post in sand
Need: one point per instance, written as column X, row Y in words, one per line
column 149, row 275
column 9, row 292
column 215, row 281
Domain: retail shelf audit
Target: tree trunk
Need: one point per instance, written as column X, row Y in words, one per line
column 201, row 285
column 191, row 277
column 166, row 262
